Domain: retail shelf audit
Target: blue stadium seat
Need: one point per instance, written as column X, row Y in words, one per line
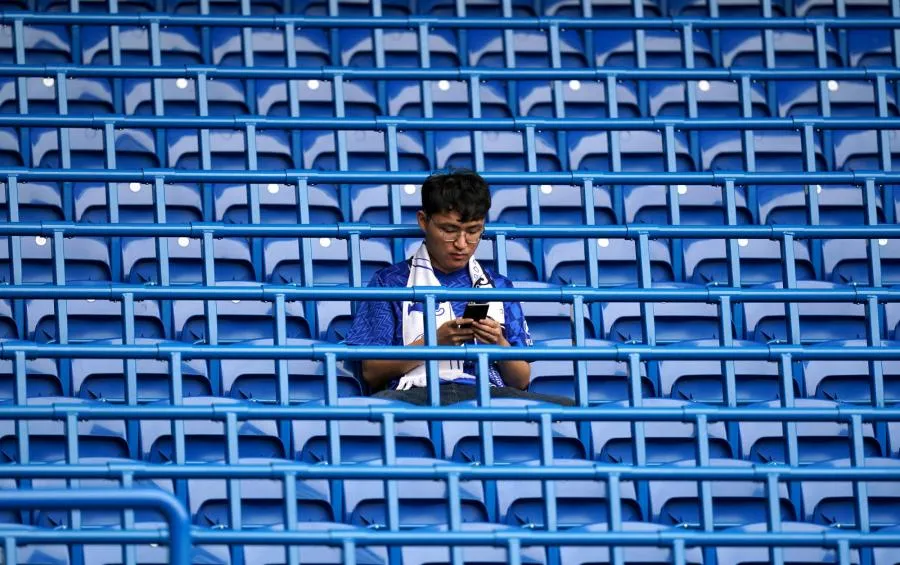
column 674, row 321
column 894, row 439
column 135, row 149
column 449, row 99
column 178, row 96
column 228, row 149
column 400, row 49
column 256, row 380
column 237, row 320
column 100, row 518
column 552, row 320
column 833, row 503
column 643, row 554
column 273, row 554
column 580, row 99
column 277, row 204
column 854, row 8
column 231, row 260
column 475, row 8
column 262, row 501
column 726, row 8
column 371, row 204
column 557, row 204
column 764, row 442
column 8, row 327
column 663, row 48
column 513, row 441
column 845, row 380
column 89, row 320
column 366, row 151
column 154, row 554
column 870, row 48
column 837, row 205
column 48, row 440
column 578, row 503
column 359, row 440
column 37, row 201
column 666, row 442
column 704, row 381
column 11, row 516
column 41, row 379
column 83, row 96
column 819, row 321
column 422, row 502
column 887, row 555
column 713, row 99
column 607, row 380
column 40, row 553
column 640, row 151
column 844, row 98
column 847, row 261
column 859, row 150
column 504, row 151
column 760, row 261
column 136, row 203
column 734, row 503
column 316, row 98
column 44, row 44
column 205, row 440
column 330, row 260
column 85, row 259
column 702, row 205
column 519, row 261
column 334, row 318
column 774, row 151
column 10, row 152
column 530, row 49
column 106, row 379
column 179, row 45
column 792, row 49
column 617, row 264
column 482, row 555
column 795, row 555
column 599, row 8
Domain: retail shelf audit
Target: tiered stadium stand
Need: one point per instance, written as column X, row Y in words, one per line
column 192, row 192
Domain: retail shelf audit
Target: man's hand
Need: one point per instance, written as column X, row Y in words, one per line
column 455, row 332
column 489, row 332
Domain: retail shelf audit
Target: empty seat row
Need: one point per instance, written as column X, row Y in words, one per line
column 606, row 441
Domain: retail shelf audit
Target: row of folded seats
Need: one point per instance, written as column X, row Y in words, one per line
column 578, row 48
column 849, row 381
column 503, row 151
column 433, row 554
column 363, row 98
column 485, row 8
column 603, row 440
column 43, row 320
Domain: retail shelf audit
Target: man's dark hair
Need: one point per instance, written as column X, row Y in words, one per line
column 460, row 190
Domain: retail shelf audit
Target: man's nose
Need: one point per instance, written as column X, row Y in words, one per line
column 460, row 242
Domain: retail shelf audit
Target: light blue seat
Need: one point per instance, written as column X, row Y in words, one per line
column 833, row 503
column 85, row 259
column 314, row 554
column 41, row 378
column 644, row 554
column 231, row 260
column 481, row 554
column 745, row 555
column 617, row 262
column 552, row 320
column 847, row 261
column 760, row 261
column 848, row 380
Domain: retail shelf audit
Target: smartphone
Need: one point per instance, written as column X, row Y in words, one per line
column 476, row 311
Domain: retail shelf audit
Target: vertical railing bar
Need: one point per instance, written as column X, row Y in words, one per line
column 22, row 434
column 340, row 137
column 282, row 374
column 557, row 97
column 678, row 557
column 61, row 305
column 486, row 429
column 844, row 557
column 676, row 245
column 774, row 514
column 514, row 551
column 455, row 515
column 231, row 458
column 873, row 339
column 393, row 166
column 476, row 135
column 112, row 192
column 578, row 321
column 870, row 204
column 256, row 248
column 500, row 256
column 424, row 40
column 860, row 487
column 548, row 487
column 162, row 254
column 15, row 258
column 707, row 519
column 647, row 309
column 388, row 429
column 614, row 500
column 432, row 370
column 72, row 458
column 290, row 514
column 131, row 381
column 201, row 91
column 157, row 98
column 355, row 261
column 177, row 426
column 349, row 552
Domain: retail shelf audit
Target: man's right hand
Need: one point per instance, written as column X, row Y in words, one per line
column 456, row 332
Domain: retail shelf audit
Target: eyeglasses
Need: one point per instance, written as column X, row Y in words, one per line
column 472, row 235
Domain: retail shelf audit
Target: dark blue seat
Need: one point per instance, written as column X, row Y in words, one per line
column 228, row 150
column 674, row 321
column 727, row 8
column 848, row 380
column 89, row 320
column 580, row 99
column 262, row 501
column 8, row 327
column 844, row 98
column 40, row 553
column 41, row 378
column 277, row 204
column 519, row 260
column 476, row 8
column 36, row 202
column 552, row 320
column 372, row 204
column 513, row 441
column 887, row 555
column 858, row 150
column 639, row 151
column 231, row 260
column 137, row 203
column 833, row 503
column 205, row 441
column 134, row 149
column 366, row 151
column 759, row 260
column 792, row 48
column 870, row 48
column 401, row 49
column 644, row 554
column 557, row 205
column 105, row 379
column 796, row 555
column 767, row 322
column 330, row 259
column 44, row 44
column 829, row 8
column 530, row 48
column 578, row 502
column 237, row 320
column 599, row 8
column 422, row 502
column 449, row 99
column 257, row 379
column 85, row 259
column 617, row 264
column 734, row 503
column 704, row 381
column 847, row 261
column 703, row 205
column 713, row 99
column 665, row 441
column 481, row 554
column 179, row 45
column 154, row 554
column 607, row 380
column 838, row 205
column 274, row 554
column 359, row 440
column 663, row 48
column 504, row 151
column 764, row 442
column 49, row 440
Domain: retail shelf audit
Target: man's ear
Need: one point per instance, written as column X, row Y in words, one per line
column 422, row 219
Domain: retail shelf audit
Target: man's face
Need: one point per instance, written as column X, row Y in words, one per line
column 450, row 242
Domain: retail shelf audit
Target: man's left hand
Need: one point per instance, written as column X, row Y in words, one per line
column 489, row 332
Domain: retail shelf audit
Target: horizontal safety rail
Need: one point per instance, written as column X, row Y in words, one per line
column 620, row 352
column 342, row 230
column 438, row 471
column 179, row 531
column 405, row 23
column 385, row 123
column 269, row 292
column 291, row 176
column 449, row 73
column 540, row 413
